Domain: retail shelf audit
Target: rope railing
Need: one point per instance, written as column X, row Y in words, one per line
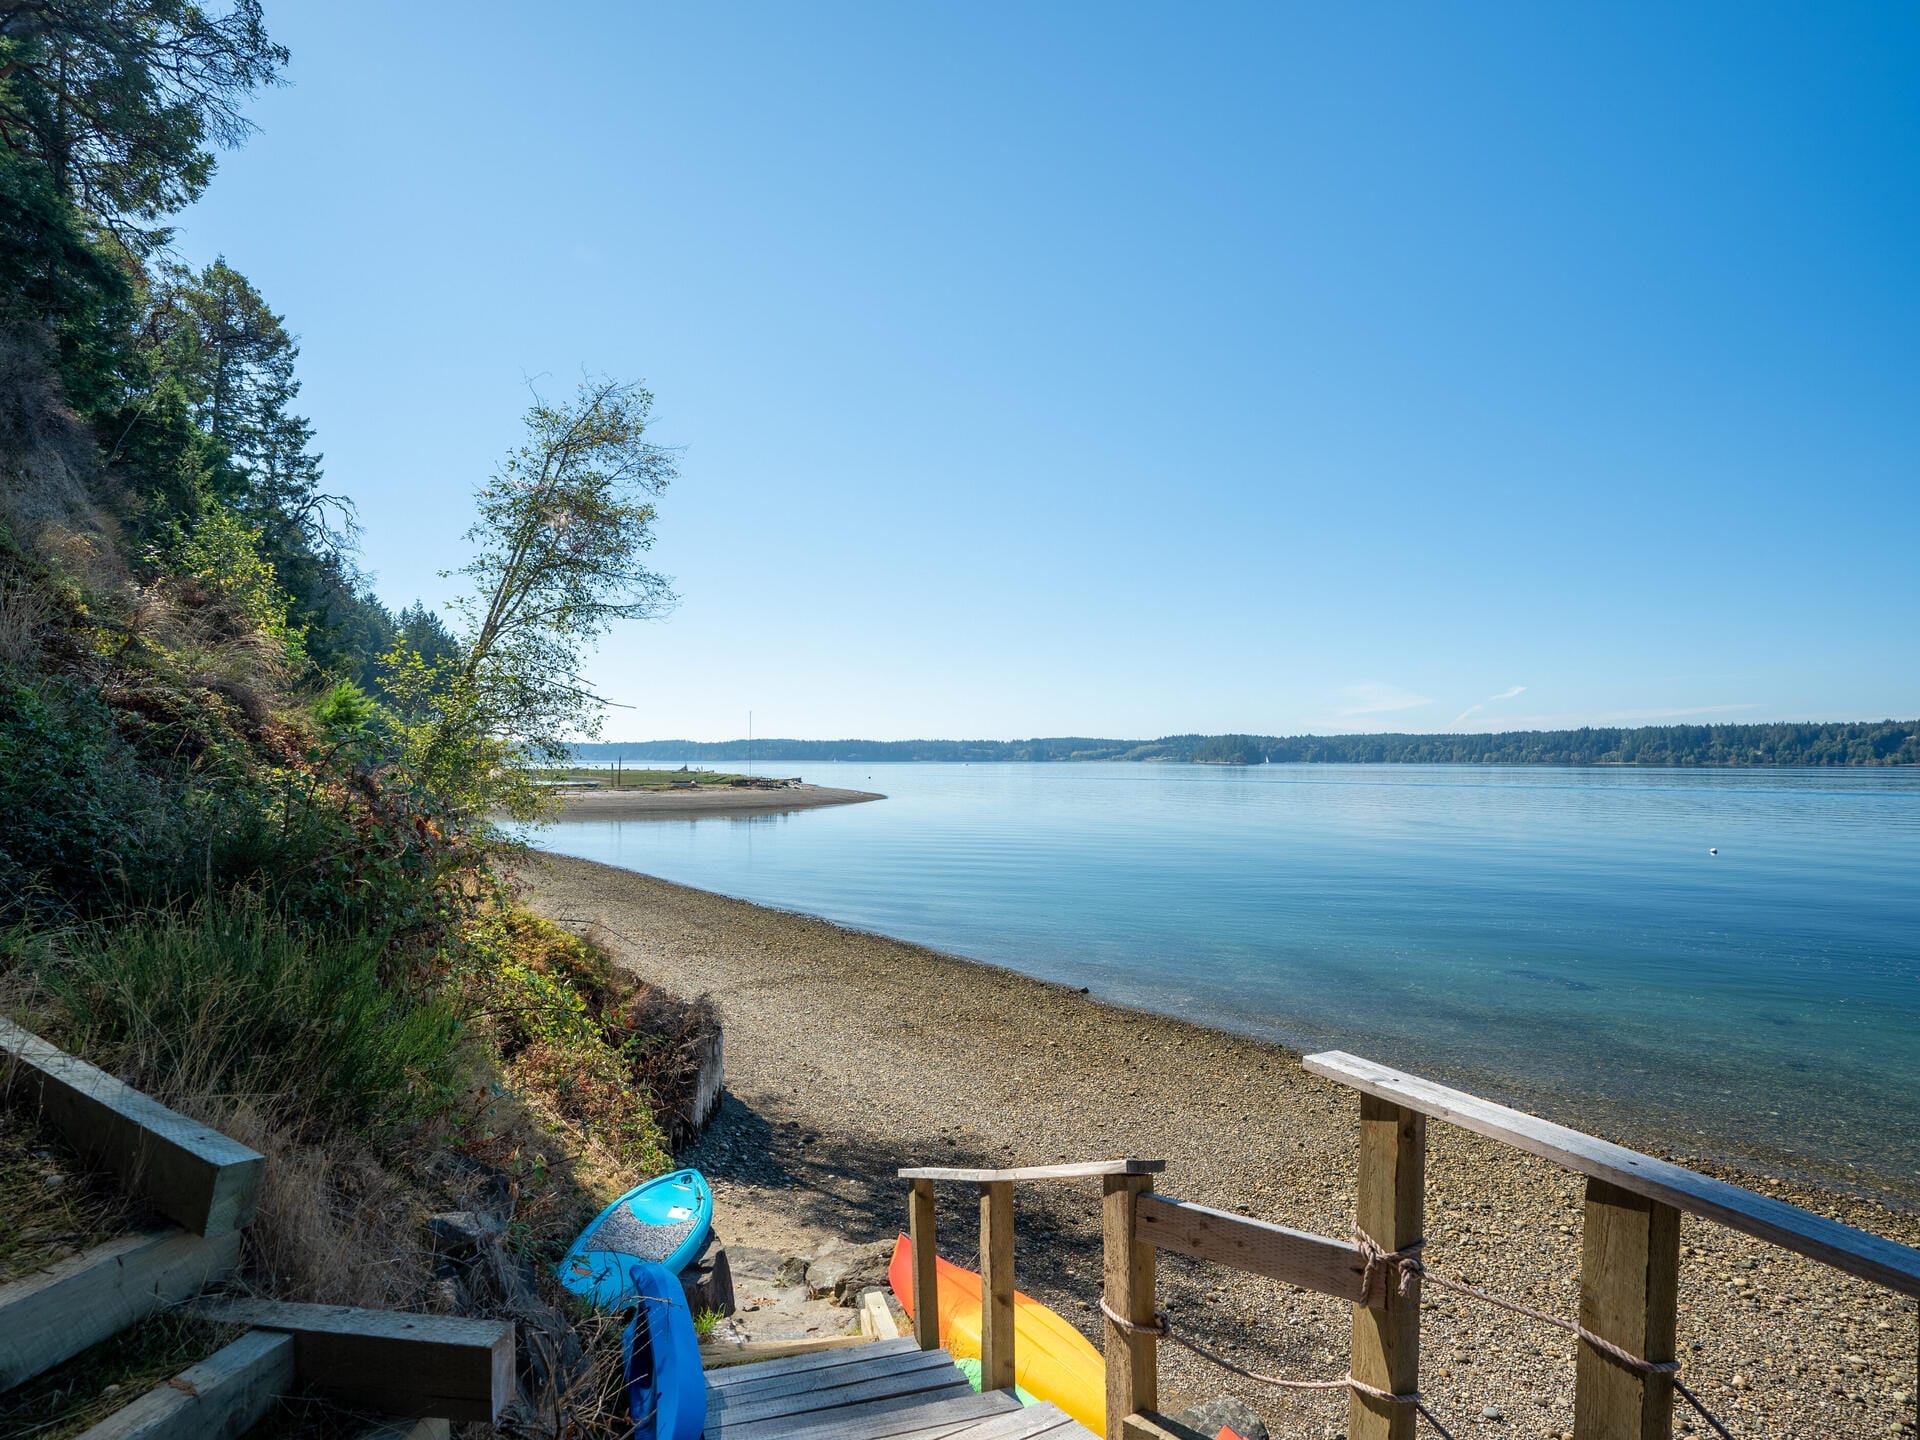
column 1378, row 1264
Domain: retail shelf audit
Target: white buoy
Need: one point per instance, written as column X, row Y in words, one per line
column 1713, row 850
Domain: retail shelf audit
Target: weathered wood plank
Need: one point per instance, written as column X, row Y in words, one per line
column 1389, row 1204
column 1035, row 1420
column 877, row 1419
column 837, row 1397
column 1313, row 1262
column 876, row 1317
column 1127, row 1261
column 1155, row 1426
column 387, row 1361
column 1629, row 1294
column 54, row 1314
column 926, row 1313
column 1081, row 1170
column 766, row 1357
column 189, row 1172
column 724, row 1397
column 1857, row 1252
column 996, row 1285
column 223, row 1396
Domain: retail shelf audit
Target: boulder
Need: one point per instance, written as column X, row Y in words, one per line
column 841, row 1271
column 1223, row 1410
column 460, row 1233
column 708, row 1280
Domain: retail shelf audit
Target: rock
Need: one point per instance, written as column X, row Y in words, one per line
column 461, row 1232
column 1223, row 1410
column 792, row 1271
column 841, row 1271
column 708, row 1280
column 1491, row 1412
column 445, row 1297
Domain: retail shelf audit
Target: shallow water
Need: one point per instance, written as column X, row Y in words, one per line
column 1562, row 938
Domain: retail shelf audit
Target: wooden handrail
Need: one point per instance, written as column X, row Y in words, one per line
column 1293, row 1257
column 1081, row 1170
column 1857, row 1252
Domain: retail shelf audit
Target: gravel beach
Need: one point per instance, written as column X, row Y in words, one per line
column 850, row 1054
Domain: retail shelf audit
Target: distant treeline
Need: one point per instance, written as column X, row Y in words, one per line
column 1887, row 742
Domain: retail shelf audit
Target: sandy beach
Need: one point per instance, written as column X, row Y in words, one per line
column 665, row 804
column 850, row 1054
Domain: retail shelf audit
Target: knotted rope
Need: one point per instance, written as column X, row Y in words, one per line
column 1162, row 1328
column 1377, row 1262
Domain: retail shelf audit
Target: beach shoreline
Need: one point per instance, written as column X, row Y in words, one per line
column 583, row 804
column 850, row 1054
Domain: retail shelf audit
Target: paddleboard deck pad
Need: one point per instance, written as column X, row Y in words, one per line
column 663, row 1222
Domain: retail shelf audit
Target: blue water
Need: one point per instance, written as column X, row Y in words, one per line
column 1561, row 938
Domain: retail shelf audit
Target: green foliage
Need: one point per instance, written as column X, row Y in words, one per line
column 222, row 552
column 80, row 820
column 1229, row 750
column 236, row 1001
column 563, row 530
column 121, row 100
column 345, row 712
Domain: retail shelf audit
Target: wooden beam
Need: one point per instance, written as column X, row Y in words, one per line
column 1313, row 1262
column 770, row 1352
column 876, row 1317
column 1154, row 1426
column 387, row 1361
column 996, row 1285
column 1857, row 1252
column 189, row 1172
column 225, row 1394
column 1133, row 1361
column 58, row 1312
column 1391, row 1200
column 926, row 1306
column 1083, row 1170
column 1629, row 1294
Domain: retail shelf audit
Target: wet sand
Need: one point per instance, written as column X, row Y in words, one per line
column 851, row 1054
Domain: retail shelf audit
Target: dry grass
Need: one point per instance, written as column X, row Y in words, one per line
column 52, row 1205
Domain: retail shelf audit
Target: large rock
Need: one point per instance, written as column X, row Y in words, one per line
column 1223, row 1410
column 841, row 1271
column 708, row 1280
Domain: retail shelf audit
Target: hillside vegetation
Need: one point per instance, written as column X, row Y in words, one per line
column 1886, row 742
column 244, row 859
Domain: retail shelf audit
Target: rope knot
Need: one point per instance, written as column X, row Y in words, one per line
column 1378, row 1261
column 1134, row 1327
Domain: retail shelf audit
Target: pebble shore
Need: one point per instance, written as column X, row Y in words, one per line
column 850, row 1054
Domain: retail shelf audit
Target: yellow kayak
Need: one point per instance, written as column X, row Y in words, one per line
column 1051, row 1360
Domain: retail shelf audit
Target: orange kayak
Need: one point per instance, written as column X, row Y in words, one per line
column 1051, row 1359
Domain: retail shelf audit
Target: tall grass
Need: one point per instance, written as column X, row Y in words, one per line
column 227, row 1000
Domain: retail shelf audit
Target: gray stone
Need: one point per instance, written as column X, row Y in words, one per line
column 708, row 1280
column 841, row 1271
column 461, row 1232
column 792, row 1271
column 1223, row 1410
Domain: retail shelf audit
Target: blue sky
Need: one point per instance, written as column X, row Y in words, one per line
column 1127, row 370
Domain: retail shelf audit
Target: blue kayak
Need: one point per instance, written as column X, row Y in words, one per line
column 663, row 1222
column 666, row 1391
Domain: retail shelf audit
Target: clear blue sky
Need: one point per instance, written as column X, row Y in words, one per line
column 1127, row 369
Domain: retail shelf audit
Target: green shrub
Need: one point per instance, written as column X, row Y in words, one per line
column 234, row 1001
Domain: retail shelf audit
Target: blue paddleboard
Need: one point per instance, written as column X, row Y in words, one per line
column 666, row 1391
column 663, row 1222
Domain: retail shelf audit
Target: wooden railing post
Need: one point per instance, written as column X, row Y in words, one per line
column 996, row 1285
column 926, row 1303
column 1629, row 1294
column 1133, row 1361
column 1390, row 1208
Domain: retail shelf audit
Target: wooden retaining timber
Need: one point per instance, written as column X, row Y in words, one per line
column 388, row 1361
column 1629, row 1281
column 424, row 1369
column 189, row 1172
column 225, row 1394
column 53, row 1315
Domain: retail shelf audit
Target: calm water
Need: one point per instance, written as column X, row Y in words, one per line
column 1558, row 937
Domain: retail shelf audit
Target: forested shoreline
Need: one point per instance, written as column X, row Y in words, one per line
column 1882, row 743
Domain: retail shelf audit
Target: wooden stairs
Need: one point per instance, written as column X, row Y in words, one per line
column 887, row 1390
